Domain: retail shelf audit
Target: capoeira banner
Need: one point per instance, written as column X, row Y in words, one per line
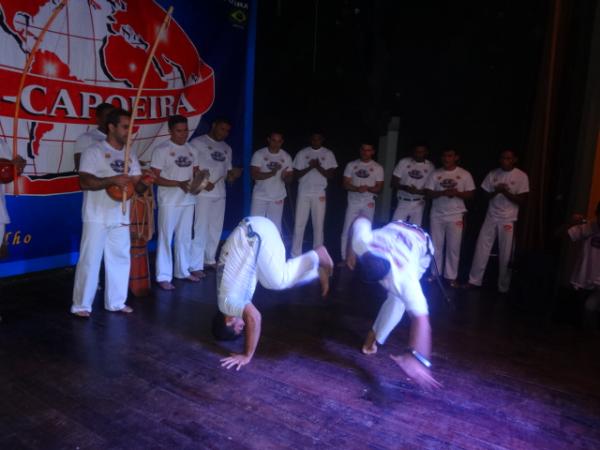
column 95, row 51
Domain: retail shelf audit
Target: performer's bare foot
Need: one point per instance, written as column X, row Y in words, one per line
column 198, row 273
column 324, row 275
column 125, row 310
column 191, row 277
column 82, row 314
column 166, row 286
column 370, row 345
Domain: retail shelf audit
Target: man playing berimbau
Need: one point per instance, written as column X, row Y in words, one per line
column 396, row 256
column 254, row 252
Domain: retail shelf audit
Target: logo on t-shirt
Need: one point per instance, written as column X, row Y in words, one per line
column 362, row 173
column 183, row 161
column 448, row 183
column 416, row 174
column 217, row 156
column 118, row 165
column 273, row 165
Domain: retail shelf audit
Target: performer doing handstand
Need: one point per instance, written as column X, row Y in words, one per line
column 254, row 252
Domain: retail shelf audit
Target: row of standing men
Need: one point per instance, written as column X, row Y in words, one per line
column 175, row 160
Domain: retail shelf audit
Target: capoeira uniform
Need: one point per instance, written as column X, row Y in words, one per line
column 5, row 153
column 499, row 221
column 360, row 203
column 254, row 252
column 175, row 210
column 105, row 233
column 408, row 250
column 268, row 195
column 411, row 173
column 214, row 156
column 586, row 273
column 447, row 217
column 87, row 139
column 311, row 195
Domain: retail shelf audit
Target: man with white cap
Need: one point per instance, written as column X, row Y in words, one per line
column 396, row 256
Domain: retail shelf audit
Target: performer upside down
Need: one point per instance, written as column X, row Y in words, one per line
column 254, row 252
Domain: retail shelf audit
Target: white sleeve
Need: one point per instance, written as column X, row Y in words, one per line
column 348, row 170
column 330, row 161
column 229, row 158
column 82, row 143
column 158, row 159
column 379, row 175
column 487, row 185
column 468, row 184
column 288, row 163
column 298, row 160
column 523, row 186
column 398, row 170
column 89, row 161
column 256, row 159
column 430, row 182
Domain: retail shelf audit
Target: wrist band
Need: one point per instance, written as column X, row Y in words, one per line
column 419, row 357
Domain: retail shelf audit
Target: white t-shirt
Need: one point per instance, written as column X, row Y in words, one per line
column 313, row 183
column 216, row 157
column 586, row 273
column 500, row 207
column 363, row 174
column 271, row 189
column 412, row 173
column 88, row 139
column 442, row 179
column 5, row 153
column 407, row 248
column 175, row 162
column 102, row 160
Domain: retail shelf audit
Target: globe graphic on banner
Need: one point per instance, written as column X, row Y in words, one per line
column 95, row 51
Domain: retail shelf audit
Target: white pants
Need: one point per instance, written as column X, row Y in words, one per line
column 314, row 205
column 352, row 212
column 2, row 229
column 243, row 268
column 447, row 230
column 409, row 211
column 173, row 220
column 208, row 226
column 97, row 240
column 271, row 209
column 487, row 235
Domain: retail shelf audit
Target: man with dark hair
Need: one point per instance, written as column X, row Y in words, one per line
column 449, row 187
column 253, row 253
column 271, row 169
column 174, row 163
column 214, row 155
column 506, row 188
column 363, row 179
column 105, row 228
column 94, row 135
column 313, row 166
column 396, row 256
column 409, row 177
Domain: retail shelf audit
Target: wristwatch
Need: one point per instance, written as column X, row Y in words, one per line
column 419, row 357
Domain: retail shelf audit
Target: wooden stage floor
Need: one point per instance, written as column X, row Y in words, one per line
column 514, row 377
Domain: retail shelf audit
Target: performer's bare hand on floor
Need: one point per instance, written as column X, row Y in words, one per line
column 234, row 360
column 416, row 372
